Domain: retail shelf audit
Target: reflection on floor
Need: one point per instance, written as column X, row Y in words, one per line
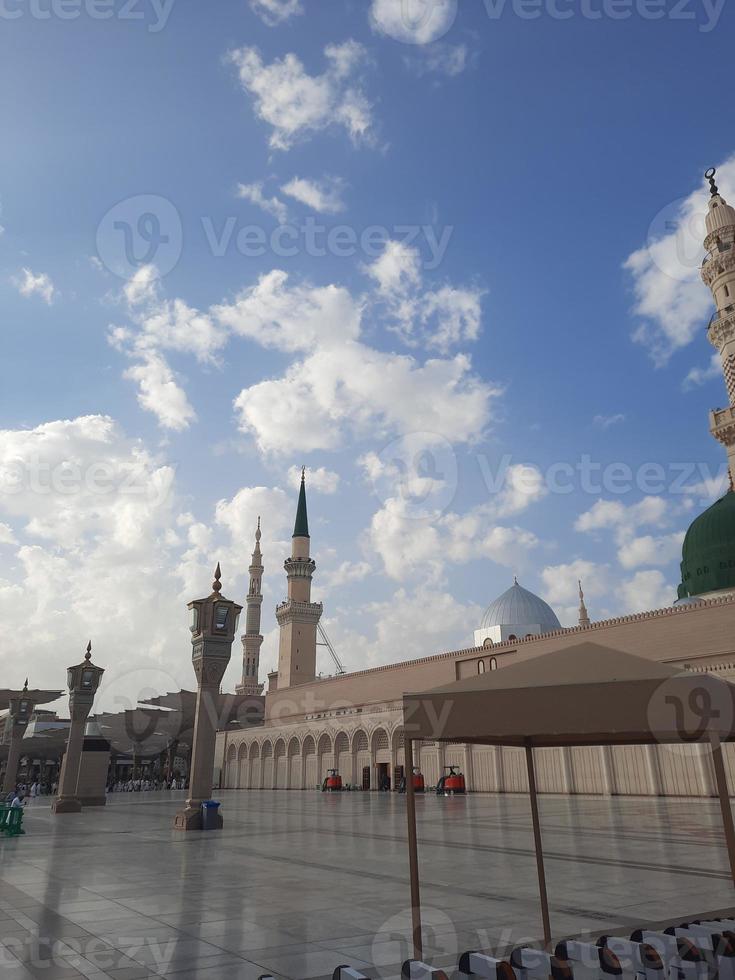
column 298, row 883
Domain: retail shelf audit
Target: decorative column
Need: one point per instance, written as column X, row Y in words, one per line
column 83, row 681
column 214, row 622
column 16, row 724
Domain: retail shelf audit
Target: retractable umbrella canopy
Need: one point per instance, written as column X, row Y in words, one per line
column 584, row 694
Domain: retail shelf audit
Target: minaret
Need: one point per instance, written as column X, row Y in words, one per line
column 298, row 616
column 252, row 639
column 584, row 619
column 718, row 272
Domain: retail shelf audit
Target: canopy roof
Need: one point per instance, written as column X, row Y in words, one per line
column 584, row 694
column 36, row 696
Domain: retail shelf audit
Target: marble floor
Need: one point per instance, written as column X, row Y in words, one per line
column 298, row 883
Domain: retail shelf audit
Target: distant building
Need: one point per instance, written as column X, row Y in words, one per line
column 354, row 722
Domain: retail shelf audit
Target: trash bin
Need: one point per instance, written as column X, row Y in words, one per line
column 210, row 815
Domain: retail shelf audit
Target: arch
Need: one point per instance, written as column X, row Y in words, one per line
column 266, row 765
column 380, row 741
column 341, row 743
column 480, row 666
column 280, row 772
column 255, row 766
column 493, row 663
column 309, row 776
column 243, row 766
column 398, row 747
column 231, row 768
column 360, row 741
column 294, row 763
column 325, row 755
column 343, row 757
column 487, row 642
column 361, row 759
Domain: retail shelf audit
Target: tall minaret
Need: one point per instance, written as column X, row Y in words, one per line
column 298, row 616
column 718, row 272
column 584, row 619
column 252, row 639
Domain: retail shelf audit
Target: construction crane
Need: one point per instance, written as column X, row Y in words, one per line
column 326, row 642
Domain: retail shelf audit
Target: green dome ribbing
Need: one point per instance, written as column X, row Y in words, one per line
column 708, row 555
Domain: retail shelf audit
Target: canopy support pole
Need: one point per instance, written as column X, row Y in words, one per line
column 413, row 855
column 722, row 790
column 539, row 847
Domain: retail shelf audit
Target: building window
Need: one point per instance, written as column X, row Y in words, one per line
column 493, row 663
column 480, row 666
column 487, row 642
column 512, row 638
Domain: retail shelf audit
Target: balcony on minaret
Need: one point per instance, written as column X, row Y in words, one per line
column 722, row 425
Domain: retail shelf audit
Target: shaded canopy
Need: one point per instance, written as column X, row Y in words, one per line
column 36, row 696
column 584, row 694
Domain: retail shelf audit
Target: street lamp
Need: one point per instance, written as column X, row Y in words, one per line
column 83, row 681
column 214, row 622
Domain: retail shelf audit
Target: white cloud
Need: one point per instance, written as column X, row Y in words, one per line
column 614, row 514
column 275, row 12
column 30, row 284
column 439, row 318
column 635, row 550
column 6, row 534
column 111, row 554
column 159, row 393
column 271, row 205
column 607, row 594
column 323, row 196
column 345, row 573
column 651, row 550
column 646, row 591
column 699, row 376
column 408, row 546
column 296, row 104
column 413, row 23
column 523, row 485
column 354, row 387
column 607, row 421
column 670, row 297
column 292, row 318
column 320, row 479
column 143, row 285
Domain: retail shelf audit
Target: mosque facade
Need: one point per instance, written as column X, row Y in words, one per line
column 353, row 722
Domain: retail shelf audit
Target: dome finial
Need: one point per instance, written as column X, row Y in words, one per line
column 515, row 580
column 710, row 176
column 217, row 585
column 88, row 654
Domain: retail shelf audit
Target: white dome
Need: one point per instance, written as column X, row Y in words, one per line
column 519, row 607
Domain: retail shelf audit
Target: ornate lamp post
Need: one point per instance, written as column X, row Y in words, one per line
column 21, row 706
column 214, row 623
column 83, row 681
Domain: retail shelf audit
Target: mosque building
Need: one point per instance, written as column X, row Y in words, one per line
column 353, row 722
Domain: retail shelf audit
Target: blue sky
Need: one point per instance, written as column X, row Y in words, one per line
column 528, row 297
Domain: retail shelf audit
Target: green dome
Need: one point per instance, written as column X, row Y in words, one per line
column 708, row 555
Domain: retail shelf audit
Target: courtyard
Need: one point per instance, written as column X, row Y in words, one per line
column 298, row 883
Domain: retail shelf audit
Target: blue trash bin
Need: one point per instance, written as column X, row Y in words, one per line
column 210, row 815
